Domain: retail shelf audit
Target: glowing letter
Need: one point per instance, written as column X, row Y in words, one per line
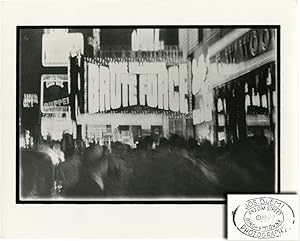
column 173, row 95
column 115, row 91
column 93, row 88
column 104, row 89
column 133, row 90
column 152, row 90
column 163, row 95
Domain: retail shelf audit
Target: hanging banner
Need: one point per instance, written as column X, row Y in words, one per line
column 128, row 84
column 55, row 94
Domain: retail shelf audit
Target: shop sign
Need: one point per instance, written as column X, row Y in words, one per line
column 29, row 100
column 137, row 84
column 251, row 44
column 55, row 94
column 243, row 54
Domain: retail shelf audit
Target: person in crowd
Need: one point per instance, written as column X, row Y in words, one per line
column 56, row 147
column 36, row 175
column 69, row 170
column 67, row 144
column 140, row 162
column 117, row 155
column 52, row 148
column 195, row 175
column 92, row 174
column 80, row 146
column 118, row 172
column 146, row 143
column 163, row 165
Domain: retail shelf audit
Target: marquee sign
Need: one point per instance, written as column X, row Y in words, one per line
column 55, row 94
column 127, row 84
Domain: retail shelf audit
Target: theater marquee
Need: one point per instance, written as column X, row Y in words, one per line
column 127, row 84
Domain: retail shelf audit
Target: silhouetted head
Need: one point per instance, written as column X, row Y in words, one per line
column 118, row 149
column 67, row 144
column 94, row 160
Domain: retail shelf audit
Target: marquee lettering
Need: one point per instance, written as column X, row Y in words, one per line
column 173, row 92
column 133, row 90
column 104, row 88
column 93, row 88
column 152, row 90
column 163, row 90
column 150, row 84
column 125, row 82
column 115, row 91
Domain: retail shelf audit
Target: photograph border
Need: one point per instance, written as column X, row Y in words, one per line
column 154, row 200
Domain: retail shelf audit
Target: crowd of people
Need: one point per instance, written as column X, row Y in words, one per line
column 176, row 168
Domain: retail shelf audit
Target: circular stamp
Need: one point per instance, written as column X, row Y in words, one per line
column 263, row 218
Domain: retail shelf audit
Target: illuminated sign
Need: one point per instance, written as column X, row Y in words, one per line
column 143, row 84
column 57, row 127
column 96, row 132
column 29, row 100
column 199, row 73
column 58, row 46
column 253, row 48
column 55, row 94
column 146, row 39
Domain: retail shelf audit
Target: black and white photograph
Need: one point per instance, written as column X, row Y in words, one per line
column 147, row 113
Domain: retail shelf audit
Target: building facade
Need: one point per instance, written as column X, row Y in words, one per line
column 234, row 82
column 134, row 86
